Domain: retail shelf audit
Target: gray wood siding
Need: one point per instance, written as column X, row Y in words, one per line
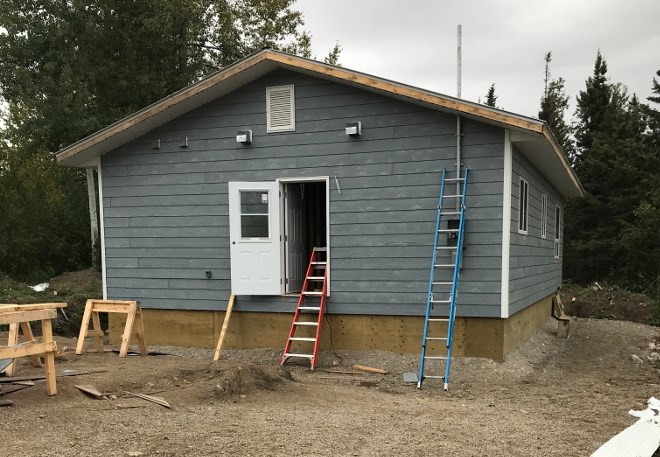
column 534, row 272
column 166, row 210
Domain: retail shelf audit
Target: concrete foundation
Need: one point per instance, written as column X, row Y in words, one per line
column 473, row 337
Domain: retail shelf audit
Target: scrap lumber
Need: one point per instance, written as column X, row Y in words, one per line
column 158, row 400
column 225, row 325
column 369, row 369
column 12, row 379
column 6, row 402
column 90, row 390
column 7, row 389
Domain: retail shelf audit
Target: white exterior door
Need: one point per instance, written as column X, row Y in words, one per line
column 254, row 232
column 294, row 223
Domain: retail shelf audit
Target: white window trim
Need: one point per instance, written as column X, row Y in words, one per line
column 557, row 244
column 524, row 214
column 104, row 271
column 506, row 224
column 544, row 216
column 284, row 128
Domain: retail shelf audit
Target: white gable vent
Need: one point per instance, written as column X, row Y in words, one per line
column 280, row 109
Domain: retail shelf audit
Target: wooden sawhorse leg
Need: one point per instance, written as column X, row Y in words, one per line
column 13, row 340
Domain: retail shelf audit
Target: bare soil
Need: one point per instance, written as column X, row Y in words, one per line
column 553, row 396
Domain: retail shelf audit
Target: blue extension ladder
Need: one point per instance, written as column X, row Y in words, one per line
column 457, row 234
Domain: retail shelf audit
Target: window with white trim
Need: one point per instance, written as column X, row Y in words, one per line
column 280, row 109
column 544, row 216
column 523, row 206
column 557, row 231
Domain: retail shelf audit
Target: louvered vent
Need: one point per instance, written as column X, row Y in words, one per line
column 280, row 108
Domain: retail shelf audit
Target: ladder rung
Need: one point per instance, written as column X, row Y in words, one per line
column 310, row 308
column 431, row 338
column 450, row 213
column 447, row 230
column 320, row 249
column 454, row 179
column 306, row 292
column 319, row 264
column 440, row 301
column 433, row 319
column 438, row 265
column 302, row 338
column 435, row 357
column 306, row 356
column 441, row 283
column 434, row 377
column 306, row 323
column 454, row 196
column 446, row 248
column 316, row 278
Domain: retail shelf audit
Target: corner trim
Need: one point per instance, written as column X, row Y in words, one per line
column 104, row 275
column 506, row 223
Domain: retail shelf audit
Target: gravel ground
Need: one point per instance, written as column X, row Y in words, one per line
column 552, row 397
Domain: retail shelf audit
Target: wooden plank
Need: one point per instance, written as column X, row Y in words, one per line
column 84, row 327
column 151, row 398
column 90, row 390
column 47, row 332
column 369, row 369
column 7, row 389
column 13, row 317
column 30, row 349
column 38, row 377
column 139, row 331
column 6, row 402
column 31, row 307
column 12, row 340
column 98, row 332
column 111, row 307
column 27, row 333
column 128, row 330
column 225, row 325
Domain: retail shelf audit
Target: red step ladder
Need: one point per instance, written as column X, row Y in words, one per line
column 312, row 276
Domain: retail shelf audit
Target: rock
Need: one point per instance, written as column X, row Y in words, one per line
column 134, row 453
column 636, row 359
column 653, row 357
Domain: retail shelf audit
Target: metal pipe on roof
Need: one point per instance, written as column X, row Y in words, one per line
column 458, row 116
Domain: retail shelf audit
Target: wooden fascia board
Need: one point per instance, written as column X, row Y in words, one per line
column 159, row 106
column 547, row 134
column 405, row 91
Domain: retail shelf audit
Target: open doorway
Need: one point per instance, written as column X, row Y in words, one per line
column 305, row 224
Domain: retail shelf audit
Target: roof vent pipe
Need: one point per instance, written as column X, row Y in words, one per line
column 458, row 117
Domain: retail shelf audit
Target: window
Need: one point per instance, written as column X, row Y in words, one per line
column 280, row 109
column 544, row 216
column 523, row 205
column 557, row 231
column 254, row 214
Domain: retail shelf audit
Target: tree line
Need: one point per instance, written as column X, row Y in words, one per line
column 71, row 67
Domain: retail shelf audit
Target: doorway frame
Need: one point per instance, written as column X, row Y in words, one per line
column 281, row 182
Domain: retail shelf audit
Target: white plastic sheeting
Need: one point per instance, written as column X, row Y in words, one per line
column 640, row 439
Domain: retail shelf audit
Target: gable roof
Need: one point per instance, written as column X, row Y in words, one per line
column 534, row 138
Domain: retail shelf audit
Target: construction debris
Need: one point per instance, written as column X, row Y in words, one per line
column 640, row 439
column 370, row 369
column 151, row 398
column 6, row 402
column 7, row 389
column 91, row 391
column 37, row 377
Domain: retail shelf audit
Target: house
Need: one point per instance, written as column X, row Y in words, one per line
column 227, row 185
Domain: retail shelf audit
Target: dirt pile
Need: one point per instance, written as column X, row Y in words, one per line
column 604, row 301
column 231, row 379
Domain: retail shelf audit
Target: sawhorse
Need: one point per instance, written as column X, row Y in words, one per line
column 134, row 325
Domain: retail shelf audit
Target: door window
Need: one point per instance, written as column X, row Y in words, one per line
column 254, row 214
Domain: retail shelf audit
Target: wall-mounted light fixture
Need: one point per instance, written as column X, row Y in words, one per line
column 244, row 136
column 184, row 142
column 354, row 128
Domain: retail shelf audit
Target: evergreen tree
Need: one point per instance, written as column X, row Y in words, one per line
column 69, row 68
column 554, row 104
column 618, row 171
column 491, row 98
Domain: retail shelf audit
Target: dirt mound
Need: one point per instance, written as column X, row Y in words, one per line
column 232, row 379
column 604, row 301
column 77, row 282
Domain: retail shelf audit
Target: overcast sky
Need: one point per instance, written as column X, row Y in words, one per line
column 504, row 42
